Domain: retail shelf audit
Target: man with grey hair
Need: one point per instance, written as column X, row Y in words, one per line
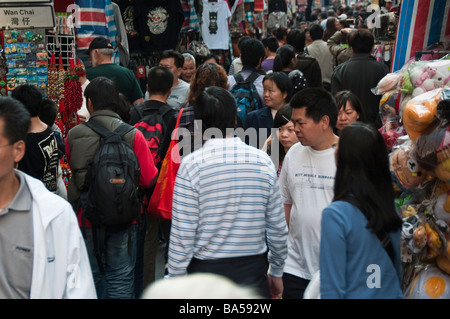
column 100, row 55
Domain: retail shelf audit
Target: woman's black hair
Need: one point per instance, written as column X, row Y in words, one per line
column 283, row 58
column 282, row 81
column 282, row 117
column 363, row 172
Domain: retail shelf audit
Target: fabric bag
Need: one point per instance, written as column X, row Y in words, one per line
column 160, row 204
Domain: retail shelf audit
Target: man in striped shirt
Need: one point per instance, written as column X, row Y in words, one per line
column 228, row 217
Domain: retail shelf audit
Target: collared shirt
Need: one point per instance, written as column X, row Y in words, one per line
column 226, row 204
column 16, row 245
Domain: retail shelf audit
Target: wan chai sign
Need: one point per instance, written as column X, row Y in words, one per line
column 25, row 17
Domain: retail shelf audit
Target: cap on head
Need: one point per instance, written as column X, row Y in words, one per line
column 100, row 43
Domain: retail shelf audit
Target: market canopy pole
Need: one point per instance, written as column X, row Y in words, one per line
column 421, row 24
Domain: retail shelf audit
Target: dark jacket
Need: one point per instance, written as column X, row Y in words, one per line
column 360, row 74
column 310, row 68
column 261, row 118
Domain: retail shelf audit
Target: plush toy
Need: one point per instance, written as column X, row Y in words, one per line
column 419, row 113
column 389, row 82
column 427, row 73
column 406, row 169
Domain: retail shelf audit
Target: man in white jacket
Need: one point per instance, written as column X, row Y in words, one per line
column 43, row 251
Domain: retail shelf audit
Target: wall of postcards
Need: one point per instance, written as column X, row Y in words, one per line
column 26, row 58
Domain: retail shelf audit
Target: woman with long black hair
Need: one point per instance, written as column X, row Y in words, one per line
column 360, row 229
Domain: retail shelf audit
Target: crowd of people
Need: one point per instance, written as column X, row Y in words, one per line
column 309, row 191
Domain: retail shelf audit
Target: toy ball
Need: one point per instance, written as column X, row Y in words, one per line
column 430, row 283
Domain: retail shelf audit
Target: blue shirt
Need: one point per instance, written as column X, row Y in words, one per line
column 353, row 263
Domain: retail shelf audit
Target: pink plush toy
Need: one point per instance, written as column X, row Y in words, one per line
column 426, row 74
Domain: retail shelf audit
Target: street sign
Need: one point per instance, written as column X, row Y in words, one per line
column 26, row 17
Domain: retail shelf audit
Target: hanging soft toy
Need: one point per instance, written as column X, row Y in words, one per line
column 419, row 113
column 405, row 168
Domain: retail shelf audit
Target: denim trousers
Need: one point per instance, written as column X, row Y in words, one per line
column 118, row 260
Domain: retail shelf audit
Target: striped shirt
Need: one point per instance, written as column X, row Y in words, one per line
column 227, row 203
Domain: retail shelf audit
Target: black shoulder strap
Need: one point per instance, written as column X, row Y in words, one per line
column 252, row 77
column 98, row 128
column 238, row 77
column 163, row 110
column 123, row 129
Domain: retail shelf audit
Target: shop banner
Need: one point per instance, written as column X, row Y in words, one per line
column 421, row 24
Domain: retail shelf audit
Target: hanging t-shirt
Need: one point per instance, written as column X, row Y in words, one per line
column 215, row 30
column 158, row 23
column 41, row 159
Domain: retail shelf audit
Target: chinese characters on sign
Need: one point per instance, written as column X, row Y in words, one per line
column 27, row 17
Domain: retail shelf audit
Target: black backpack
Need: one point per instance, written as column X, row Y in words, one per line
column 111, row 197
column 112, row 179
column 246, row 95
column 153, row 127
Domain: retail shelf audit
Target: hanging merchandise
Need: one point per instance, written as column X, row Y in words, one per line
column 26, row 58
column 158, row 24
column 415, row 112
column 3, row 68
column 214, row 27
column 73, row 98
column 421, row 24
column 191, row 21
column 101, row 18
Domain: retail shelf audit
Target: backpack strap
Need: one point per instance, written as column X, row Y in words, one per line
column 98, row 128
column 252, row 77
column 238, row 77
column 123, row 129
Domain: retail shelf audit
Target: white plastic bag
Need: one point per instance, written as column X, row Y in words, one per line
column 313, row 289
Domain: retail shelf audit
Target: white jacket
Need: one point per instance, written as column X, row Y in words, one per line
column 61, row 266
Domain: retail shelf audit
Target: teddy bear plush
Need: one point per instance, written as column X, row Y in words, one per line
column 406, row 169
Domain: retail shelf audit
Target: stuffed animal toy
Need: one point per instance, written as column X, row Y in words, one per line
column 419, row 112
column 427, row 73
column 406, row 169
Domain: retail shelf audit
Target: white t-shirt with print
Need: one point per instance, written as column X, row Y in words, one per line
column 215, row 30
column 307, row 183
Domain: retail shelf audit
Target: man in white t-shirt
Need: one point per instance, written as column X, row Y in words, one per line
column 174, row 60
column 307, row 184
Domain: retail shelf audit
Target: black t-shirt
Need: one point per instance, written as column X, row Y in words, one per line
column 158, row 23
column 41, row 158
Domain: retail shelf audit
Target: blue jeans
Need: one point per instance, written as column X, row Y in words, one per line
column 117, row 280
